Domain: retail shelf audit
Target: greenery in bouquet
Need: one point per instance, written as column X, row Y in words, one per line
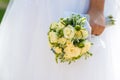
column 68, row 39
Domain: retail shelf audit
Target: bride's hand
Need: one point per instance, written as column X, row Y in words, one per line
column 97, row 22
column 97, row 19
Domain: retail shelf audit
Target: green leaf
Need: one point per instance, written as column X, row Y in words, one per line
column 60, row 33
column 81, row 45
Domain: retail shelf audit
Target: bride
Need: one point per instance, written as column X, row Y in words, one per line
column 24, row 50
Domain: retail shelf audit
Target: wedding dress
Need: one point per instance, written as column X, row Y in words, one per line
column 24, row 49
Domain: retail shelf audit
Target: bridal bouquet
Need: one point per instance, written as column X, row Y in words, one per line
column 68, row 39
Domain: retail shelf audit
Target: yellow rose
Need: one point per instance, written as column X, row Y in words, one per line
column 71, row 51
column 62, row 40
column 57, row 50
column 69, row 43
column 78, row 34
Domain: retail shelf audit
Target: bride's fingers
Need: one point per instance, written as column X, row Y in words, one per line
column 94, row 29
column 97, row 29
column 101, row 29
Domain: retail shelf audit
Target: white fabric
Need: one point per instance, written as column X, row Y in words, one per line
column 24, row 50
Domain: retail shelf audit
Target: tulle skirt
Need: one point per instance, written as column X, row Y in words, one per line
column 24, row 49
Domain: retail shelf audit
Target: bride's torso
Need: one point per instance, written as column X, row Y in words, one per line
column 51, row 10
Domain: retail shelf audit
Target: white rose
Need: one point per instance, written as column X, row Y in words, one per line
column 69, row 32
column 53, row 37
column 84, row 33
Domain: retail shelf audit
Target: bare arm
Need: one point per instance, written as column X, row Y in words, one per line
column 97, row 5
column 97, row 20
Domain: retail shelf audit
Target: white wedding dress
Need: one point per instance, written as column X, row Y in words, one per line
column 24, row 49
